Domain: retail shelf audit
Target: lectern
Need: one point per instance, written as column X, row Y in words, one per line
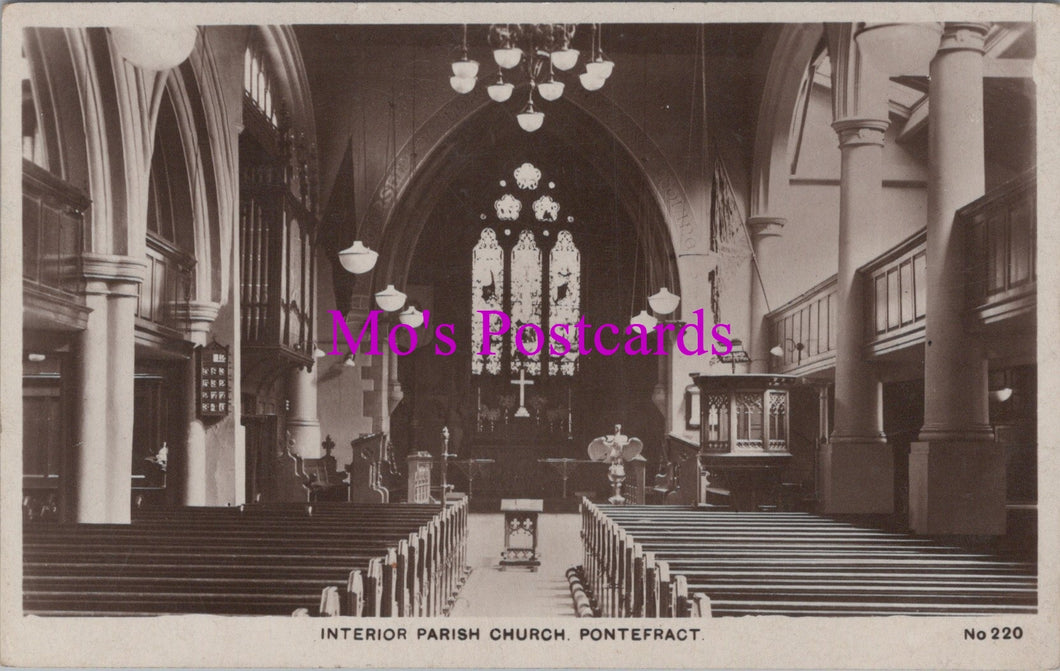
column 520, row 532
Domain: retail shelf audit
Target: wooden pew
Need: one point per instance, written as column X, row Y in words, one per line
column 694, row 561
column 269, row 559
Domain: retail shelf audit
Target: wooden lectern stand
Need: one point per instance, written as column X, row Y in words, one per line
column 520, row 532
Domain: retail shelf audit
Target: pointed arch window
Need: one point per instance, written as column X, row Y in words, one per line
column 258, row 84
column 33, row 148
column 487, row 293
column 564, row 295
column 526, row 304
column 543, row 288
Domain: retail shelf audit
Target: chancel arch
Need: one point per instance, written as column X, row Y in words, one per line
column 455, row 204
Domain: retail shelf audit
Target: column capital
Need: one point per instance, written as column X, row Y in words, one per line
column 856, row 131
column 765, row 225
column 113, row 268
column 964, row 36
column 195, row 317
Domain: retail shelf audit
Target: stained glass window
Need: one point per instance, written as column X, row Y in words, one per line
column 521, row 260
column 527, row 176
column 507, row 207
column 526, row 302
column 564, row 296
column 487, row 293
column 546, row 209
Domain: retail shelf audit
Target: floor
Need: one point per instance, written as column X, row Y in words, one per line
column 516, row 591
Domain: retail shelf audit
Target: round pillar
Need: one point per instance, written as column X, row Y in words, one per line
column 956, row 470
column 302, row 422
column 91, row 496
column 197, row 318
column 765, row 234
column 955, row 384
column 121, row 360
column 857, row 466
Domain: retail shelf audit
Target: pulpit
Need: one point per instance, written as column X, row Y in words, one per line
column 744, row 436
column 520, row 532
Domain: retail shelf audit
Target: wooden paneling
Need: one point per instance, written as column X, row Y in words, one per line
column 809, row 320
column 53, row 214
column 896, row 295
column 168, row 281
column 1000, row 230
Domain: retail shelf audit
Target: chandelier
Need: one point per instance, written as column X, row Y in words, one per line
column 538, row 50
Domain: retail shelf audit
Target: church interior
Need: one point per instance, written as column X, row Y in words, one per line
column 205, row 208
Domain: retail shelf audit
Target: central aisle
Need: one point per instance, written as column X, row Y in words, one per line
column 516, row 592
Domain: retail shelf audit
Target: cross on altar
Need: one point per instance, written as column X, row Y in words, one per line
column 522, row 382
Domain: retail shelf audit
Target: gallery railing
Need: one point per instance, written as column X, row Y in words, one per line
column 999, row 232
column 895, row 290
column 810, row 321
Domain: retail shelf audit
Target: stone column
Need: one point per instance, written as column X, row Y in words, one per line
column 107, row 400
column 91, row 505
column 121, row 354
column 956, row 470
column 857, row 466
column 765, row 231
column 303, row 423
column 196, row 318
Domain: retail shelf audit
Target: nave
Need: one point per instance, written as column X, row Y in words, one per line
column 196, row 434
column 419, row 561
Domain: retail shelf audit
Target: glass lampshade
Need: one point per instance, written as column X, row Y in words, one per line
column 565, row 59
column 550, row 90
column 508, row 58
column 530, row 120
column 644, row 319
column 600, row 68
column 777, row 351
column 462, row 84
column 589, row 82
column 663, row 302
column 390, row 299
column 349, row 361
column 500, row 92
column 357, row 258
column 465, row 68
column 154, row 48
column 317, row 352
column 411, row 317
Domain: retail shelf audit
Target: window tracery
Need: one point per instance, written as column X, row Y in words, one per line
column 544, row 288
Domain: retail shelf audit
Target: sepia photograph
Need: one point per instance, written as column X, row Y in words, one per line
column 614, row 335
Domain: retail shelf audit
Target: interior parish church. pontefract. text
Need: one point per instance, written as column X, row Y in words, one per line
column 672, row 320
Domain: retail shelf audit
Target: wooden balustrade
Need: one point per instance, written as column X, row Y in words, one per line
column 53, row 223
column 169, row 281
column 1000, row 247
column 808, row 321
column 895, row 290
column 999, row 261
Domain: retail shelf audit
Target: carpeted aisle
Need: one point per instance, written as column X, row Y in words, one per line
column 517, row 592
